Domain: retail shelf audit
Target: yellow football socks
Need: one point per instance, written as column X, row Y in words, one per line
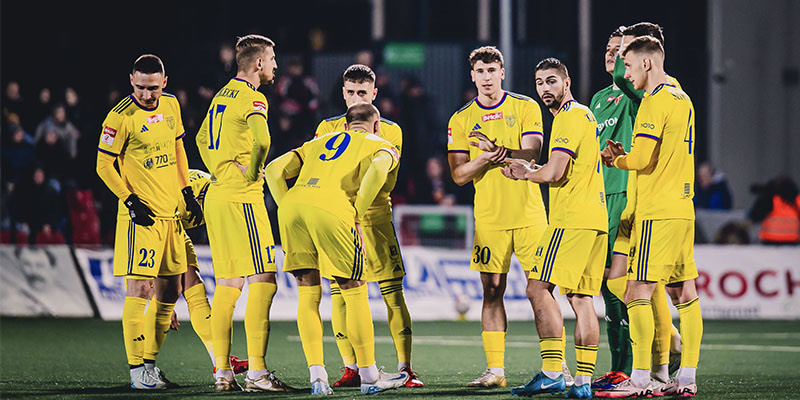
column 691, row 332
column 359, row 325
column 552, row 352
column 494, row 345
column 640, row 313
column 663, row 326
column 586, row 356
column 133, row 328
column 222, row 323
column 256, row 322
column 339, row 325
column 200, row 313
column 399, row 318
column 309, row 323
column 156, row 325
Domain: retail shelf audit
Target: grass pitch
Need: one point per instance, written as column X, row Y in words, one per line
column 85, row 358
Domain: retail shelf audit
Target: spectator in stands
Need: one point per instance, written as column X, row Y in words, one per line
column 436, row 189
column 72, row 106
column 51, row 155
column 221, row 73
column 732, row 233
column 298, row 103
column 17, row 155
column 43, row 106
column 711, row 189
column 39, row 204
column 777, row 207
column 64, row 130
column 12, row 105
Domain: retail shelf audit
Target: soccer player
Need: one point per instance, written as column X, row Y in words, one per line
column 338, row 177
column 505, row 125
column 233, row 142
column 572, row 250
column 662, row 247
column 384, row 264
column 144, row 134
column 666, row 345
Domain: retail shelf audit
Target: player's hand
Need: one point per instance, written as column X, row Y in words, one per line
column 139, row 212
column 516, row 170
column 611, row 152
column 241, row 168
column 262, row 173
column 483, row 143
column 173, row 321
column 192, row 206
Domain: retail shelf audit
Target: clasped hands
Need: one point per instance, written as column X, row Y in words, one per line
column 611, row 152
column 515, row 168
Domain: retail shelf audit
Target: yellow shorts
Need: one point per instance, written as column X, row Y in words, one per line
column 622, row 244
column 149, row 251
column 191, row 256
column 382, row 250
column 662, row 250
column 573, row 259
column 240, row 238
column 491, row 249
column 313, row 238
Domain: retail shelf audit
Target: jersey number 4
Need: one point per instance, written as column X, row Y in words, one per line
column 688, row 136
column 336, row 145
column 215, row 111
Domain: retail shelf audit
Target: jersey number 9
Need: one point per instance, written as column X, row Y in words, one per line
column 338, row 148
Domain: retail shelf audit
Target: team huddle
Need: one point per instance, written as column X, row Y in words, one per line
column 613, row 187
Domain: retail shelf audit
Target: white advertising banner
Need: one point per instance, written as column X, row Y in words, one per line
column 744, row 282
column 41, row 281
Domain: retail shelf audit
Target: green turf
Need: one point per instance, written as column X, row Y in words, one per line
column 79, row 358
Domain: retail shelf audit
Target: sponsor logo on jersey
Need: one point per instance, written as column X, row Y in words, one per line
column 492, row 116
column 259, row 106
column 449, row 136
column 561, row 140
column 108, row 136
column 476, row 127
column 511, row 119
column 607, row 123
column 647, row 125
column 144, row 128
column 155, row 118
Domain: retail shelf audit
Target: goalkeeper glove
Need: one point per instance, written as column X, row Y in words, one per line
column 192, row 206
column 139, row 212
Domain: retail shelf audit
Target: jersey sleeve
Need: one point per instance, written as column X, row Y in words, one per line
column 256, row 105
column 649, row 121
column 322, row 129
column 456, row 136
column 385, row 145
column 531, row 119
column 180, row 131
column 395, row 137
column 566, row 135
column 114, row 135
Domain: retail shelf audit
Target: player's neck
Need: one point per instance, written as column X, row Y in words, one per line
column 567, row 98
column 251, row 78
column 491, row 100
column 655, row 78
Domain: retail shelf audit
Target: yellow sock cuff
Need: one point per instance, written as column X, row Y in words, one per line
column 691, row 332
column 617, row 287
column 642, row 331
column 355, row 292
column 221, row 323
column 339, row 325
column 133, row 328
column 359, row 325
column 312, row 292
column 564, row 342
column 389, row 287
column 195, row 293
column 335, row 288
column 663, row 326
column 399, row 318
column 586, row 356
column 494, row 345
column 552, row 353
column 309, row 323
column 256, row 322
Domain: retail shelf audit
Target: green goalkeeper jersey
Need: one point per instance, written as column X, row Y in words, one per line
column 615, row 113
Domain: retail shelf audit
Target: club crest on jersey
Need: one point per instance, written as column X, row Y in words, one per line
column 615, row 99
column 148, row 163
column 108, row 136
column 511, row 119
column 155, row 118
column 492, row 116
column 259, row 106
column 171, row 122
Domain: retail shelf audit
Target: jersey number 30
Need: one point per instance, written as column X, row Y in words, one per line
column 336, row 145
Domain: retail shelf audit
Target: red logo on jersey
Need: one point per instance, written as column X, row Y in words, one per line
column 155, row 118
column 492, row 116
column 259, row 106
column 615, row 99
column 110, row 131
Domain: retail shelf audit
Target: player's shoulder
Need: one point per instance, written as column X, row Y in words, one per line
column 519, row 97
column 465, row 106
column 389, row 122
column 334, row 118
column 124, row 107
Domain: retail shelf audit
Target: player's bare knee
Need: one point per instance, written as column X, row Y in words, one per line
column 191, row 278
column 269, row 277
column 307, row 277
column 346, row 284
column 139, row 288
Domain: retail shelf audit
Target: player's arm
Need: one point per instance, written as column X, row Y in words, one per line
column 373, row 180
column 639, row 158
column 258, row 125
column 192, row 205
column 464, row 170
column 552, row 171
column 623, row 83
column 110, row 176
column 279, row 170
column 202, row 140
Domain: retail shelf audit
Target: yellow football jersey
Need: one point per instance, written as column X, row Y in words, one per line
column 578, row 200
column 224, row 137
column 143, row 140
column 199, row 181
column 333, row 167
column 500, row 203
column 665, row 188
column 380, row 211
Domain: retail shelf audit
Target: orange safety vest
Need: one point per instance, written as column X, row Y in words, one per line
column 782, row 225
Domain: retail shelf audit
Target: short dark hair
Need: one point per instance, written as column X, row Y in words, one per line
column 358, row 73
column 644, row 44
column 487, row 54
column 646, row 29
column 617, row 32
column 361, row 112
column 249, row 46
column 552, row 63
column 148, row 64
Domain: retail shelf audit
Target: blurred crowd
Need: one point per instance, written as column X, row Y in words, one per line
column 50, row 194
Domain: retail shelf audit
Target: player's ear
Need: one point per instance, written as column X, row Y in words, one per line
column 376, row 126
column 472, row 74
column 131, row 77
column 374, row 93
column 502, row 73
column 164, row 84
